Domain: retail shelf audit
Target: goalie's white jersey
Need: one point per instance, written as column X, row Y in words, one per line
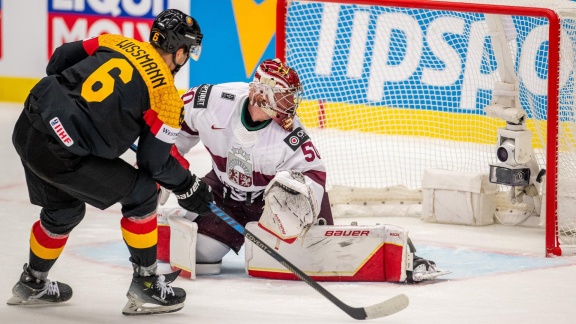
column 244, row 157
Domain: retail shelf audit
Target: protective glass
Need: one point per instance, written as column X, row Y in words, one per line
column 195, row 52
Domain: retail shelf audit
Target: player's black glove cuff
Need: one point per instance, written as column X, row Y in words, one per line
column 195, row 197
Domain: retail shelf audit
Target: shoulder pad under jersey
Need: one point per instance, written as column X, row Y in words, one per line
column 296, row 138
column 201, row 96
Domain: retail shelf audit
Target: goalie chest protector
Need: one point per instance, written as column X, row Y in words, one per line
column 334, row 253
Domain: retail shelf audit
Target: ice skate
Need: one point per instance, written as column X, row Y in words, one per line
column 154, row 295
column 30, row 290
column 424, row 270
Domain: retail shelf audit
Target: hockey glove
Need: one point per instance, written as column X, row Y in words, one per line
column 196, row 197
column 290, row 208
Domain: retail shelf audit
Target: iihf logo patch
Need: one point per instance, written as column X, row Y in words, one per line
column 296, row 138
column 61, row 132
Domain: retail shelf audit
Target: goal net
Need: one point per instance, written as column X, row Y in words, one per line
column 393, row 88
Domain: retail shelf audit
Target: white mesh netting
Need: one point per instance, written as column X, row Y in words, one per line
column 391, row 91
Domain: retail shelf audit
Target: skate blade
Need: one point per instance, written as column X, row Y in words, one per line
column 17, row 301
column 430, row 276
column 134, row 307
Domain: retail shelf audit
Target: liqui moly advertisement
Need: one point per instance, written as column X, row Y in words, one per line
column 71, row 20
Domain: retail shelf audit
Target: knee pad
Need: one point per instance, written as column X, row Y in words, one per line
column 209, row 250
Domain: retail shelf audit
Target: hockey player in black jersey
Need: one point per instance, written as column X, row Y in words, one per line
column 101, row 95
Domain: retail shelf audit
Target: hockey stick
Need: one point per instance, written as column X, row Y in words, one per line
column 385, row 308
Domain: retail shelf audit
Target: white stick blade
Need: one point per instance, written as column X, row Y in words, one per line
column 388, row 307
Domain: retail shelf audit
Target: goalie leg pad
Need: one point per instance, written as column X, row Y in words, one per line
column 163, row 245
column 183, row 238
column 335, row 253
column 195, row 254
column 396, row 252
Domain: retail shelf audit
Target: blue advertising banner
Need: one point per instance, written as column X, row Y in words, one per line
column 406, row 45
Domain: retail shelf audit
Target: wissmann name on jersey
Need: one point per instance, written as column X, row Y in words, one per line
column 145, row 60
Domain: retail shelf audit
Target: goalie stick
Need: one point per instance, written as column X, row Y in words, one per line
column 385, row 308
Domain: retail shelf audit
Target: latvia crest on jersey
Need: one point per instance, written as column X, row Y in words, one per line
column 239, row 167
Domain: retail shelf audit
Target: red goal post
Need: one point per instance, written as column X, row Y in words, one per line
column 419, row 74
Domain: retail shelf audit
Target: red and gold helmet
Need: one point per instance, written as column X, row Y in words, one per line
column 277, row 90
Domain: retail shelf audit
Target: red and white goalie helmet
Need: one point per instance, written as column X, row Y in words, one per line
column 277, row 90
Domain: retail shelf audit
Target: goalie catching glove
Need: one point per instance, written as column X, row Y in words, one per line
column 290, row 207
column 195, row 197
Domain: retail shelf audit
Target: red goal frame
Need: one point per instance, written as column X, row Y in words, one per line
column 551, row 238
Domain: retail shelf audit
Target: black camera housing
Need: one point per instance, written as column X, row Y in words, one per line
column 510, row 176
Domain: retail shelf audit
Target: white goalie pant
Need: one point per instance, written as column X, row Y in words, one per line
column 335, row 253
column 180, row 244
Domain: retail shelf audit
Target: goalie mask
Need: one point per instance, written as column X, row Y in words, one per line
column 277, row 90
